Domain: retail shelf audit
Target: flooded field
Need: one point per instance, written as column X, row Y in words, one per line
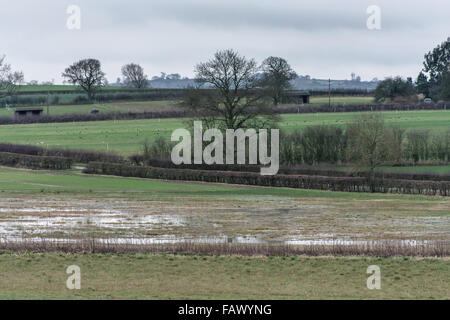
column 236, row 219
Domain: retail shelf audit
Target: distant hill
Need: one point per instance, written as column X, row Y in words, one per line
column 171, row 83
column 322, row 85
column 299, row 83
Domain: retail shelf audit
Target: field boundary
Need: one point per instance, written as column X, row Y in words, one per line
column 34, row 161
column 382, row 248
column 81, row 156
column 294, row 170
column 344, row 184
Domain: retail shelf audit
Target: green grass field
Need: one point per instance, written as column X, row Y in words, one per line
column 125, row 137
column 136, row 106
column 142, row 276
column 208, row 209
column 141, row 106
column 14, row 180
column 320, row 101
column 418, row 169
column 59, row 87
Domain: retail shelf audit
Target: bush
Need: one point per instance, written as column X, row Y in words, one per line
column 417, row 146
column 323, row 144
column 161, row 148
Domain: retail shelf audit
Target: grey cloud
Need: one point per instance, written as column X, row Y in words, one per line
column 292, row 14
column 321, row 37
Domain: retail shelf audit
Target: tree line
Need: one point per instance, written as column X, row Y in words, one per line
column 234, row 77
column 367, row 143
column 432, row 82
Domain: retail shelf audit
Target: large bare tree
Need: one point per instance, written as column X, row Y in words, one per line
column 228, row 94
column 9, row 80
column 134, row 75
column 277, row 74
column 87, row 74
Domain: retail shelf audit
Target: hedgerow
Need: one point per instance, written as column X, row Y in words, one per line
column 34, row 162
column 80, row 156
column 290, row 170
column 347, row 184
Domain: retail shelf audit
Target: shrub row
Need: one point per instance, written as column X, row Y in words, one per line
column 75, row 155
column 17, row 101
column 327, row 144
column 34, row 162
column 180, row 92
column 92, row 117
column 289, row 170
column 364, row 107
column 156, row 91
column 30, row 98
column 342, row 92
column 348, row 184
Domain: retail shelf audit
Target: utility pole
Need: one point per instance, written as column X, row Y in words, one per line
column 48, row 102
column 329, row 93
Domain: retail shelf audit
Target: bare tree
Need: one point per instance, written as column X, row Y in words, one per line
column 368, row 144
column 233, row 99
column 133, row 75
column 277, row 74
column 9, row 80
column 87, row 74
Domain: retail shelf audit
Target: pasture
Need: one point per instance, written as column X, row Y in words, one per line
column 68, row 204
column 126, row 136
column 146, row 276
column 142, row 106
column 340, row 100
column 133, row 106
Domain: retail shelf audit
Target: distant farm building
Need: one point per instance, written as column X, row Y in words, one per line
column 25, row 112
column 296, row 96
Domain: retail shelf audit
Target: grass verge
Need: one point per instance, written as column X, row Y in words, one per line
column 165, row 276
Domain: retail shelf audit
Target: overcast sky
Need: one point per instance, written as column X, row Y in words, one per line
column 322, row 38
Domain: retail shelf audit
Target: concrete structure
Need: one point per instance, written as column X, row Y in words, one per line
column 296, row 96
